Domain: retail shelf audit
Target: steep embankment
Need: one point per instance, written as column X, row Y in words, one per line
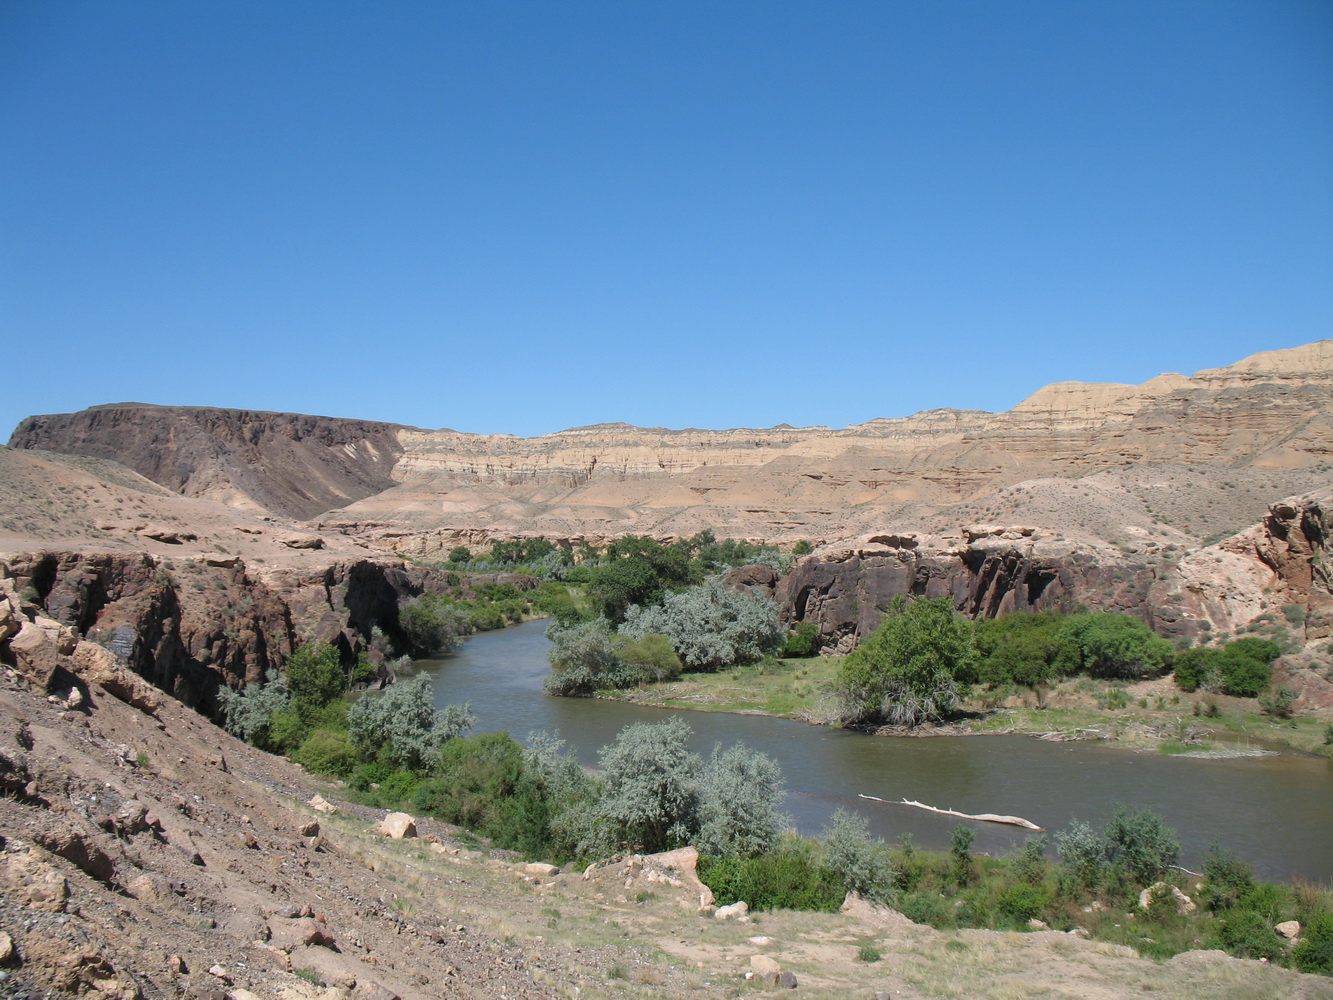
column 281, row 463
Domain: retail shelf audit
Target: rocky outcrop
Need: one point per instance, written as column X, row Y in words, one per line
column 285, row 463
column 987, row 572
column 1277, row 571
column 189, row 626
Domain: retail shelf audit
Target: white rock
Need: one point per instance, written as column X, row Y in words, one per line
column 734, row 910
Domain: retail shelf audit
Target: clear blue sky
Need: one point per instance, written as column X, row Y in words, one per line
column 520, row 217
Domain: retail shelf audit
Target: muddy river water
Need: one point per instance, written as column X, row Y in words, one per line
column 1276, row 811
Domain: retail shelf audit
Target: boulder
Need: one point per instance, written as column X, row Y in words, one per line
column 1288, row 928
column 320, row 804
column 540, row 868
column 786, row 980
column 288, row 934
column 303, row 542
column 740, row 909
column 765, row 968
column 398, row 826
column 1160, row 890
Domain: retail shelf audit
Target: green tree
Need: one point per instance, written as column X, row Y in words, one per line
column 315, row 677
column 460, row 554
column 914, row 668
column 1107, row 644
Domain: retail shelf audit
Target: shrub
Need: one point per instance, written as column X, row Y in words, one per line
column 1226, row 878
column 1140, row 844
column 650, row 658
column 802, row 641
column 868, row 953
column 1247, row 934
column 928, row 908
column 1242, row 676
column 403, row 727
column 788, row 878
column 1280, row 703
column 315, row 677
column 960, row 855
column 429, row 624
column 802, row 548
column 1315, row 952
column 1029, row 866
column 651, row 801
column 1107, row 644
column 247, row 713
column 483, row 783
column 860, row 861
column 1196, row 668
column 583, row 658
column 1082, row 859
column 738, row 802
column 1020, row 903
column 710, row 626
column 326, row 751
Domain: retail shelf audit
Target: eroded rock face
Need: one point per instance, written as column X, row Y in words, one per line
column 195, row 626
column 846, row 591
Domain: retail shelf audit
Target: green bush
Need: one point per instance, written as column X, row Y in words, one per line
column 962, row 870
column 916, row 667
column 482, row 783
column 1196, row 668
column 1279, row 703
column 1021, row 903
column 1315, row 952
column 928, row 908
column 788, row 878
column 860, row 861
column 1226, row 879
column 327, row 751
column 315, row 677
column 1029, row 865
column 401, row 725
column 1247, row 934
column 373, row 773
column 802, row 641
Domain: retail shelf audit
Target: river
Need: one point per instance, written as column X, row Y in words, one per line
column 1275, row 811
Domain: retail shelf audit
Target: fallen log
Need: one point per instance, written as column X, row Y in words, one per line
column 983, row 817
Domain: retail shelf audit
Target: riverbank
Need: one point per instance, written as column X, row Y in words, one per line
column 1145, row 715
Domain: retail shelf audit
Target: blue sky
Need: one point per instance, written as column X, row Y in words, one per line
column 521, row 217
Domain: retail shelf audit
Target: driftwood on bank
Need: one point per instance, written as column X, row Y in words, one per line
column 984, row 817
